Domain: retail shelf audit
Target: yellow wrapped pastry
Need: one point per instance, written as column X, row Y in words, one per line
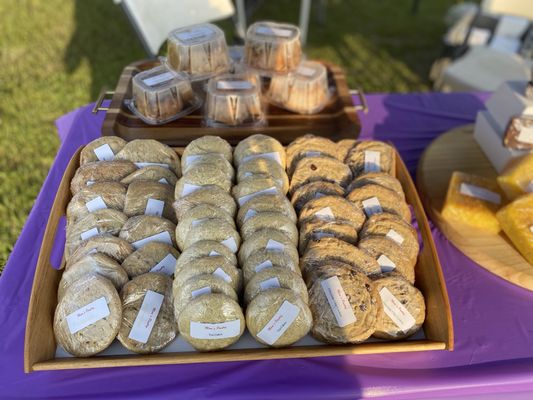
column 516, row 220
column 517, row 177
column 473, row 200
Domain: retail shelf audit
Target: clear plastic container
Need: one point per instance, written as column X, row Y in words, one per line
column 271, row 47
column 161, row 95
column 305, row 90
column 234, row 100
column 198, row 50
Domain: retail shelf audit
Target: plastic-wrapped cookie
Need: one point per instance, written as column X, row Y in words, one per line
column 149, row 198
column 278, row 317
column 205, row 195
column 97, row 300
column 375, row 199
column 205, row 145
column 270, row 239
column 314, row 190
column 377, row 178
column 200, row 174
column 145, row 152
column 343, row 148
column 371, row 156
column 344, row 304
column 264, row 168
column 152, row 173
column 153, row 257
column 263, row 258
column 259, row 146
column 143, row 229
column 207, row 162
column 92, row 264
column 201, row 285
column 101, row 149
column 320, row 252
column 309, row 146
column 389, row 256
column 100, row 171
column 332, row 208
column 402, row 311
column 312, row 169
column 317, row 229
column 204, row 248
column 116, row 248
column 217, row 229
column 251, row 187
column 265, row 203
column 211, row 322
column 272, row 278
column 96, row 223
column 312, row 275
column 270, row 220
column 394, row 228
column 148, row 323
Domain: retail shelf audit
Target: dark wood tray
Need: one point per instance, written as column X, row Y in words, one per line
column 338, row 120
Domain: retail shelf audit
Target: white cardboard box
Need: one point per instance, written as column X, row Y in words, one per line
column 509, row 101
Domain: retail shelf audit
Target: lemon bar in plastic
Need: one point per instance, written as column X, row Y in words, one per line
column 516, row 220
column 517, row 177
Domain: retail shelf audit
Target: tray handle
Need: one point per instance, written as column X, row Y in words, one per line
column 104, row 93
column 363, row 105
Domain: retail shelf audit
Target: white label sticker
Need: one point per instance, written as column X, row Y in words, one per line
column 192, row 159
column 149, row 164
column 200, row 292
column 230, row 244
column 273, row 245
column 145, row 320
column 220, row 273
column 480, row 193
column 271, row 31
column 340, row 306
column 89, row 234
column 158, row 237
column 188, row 189
column 525, row 135
column 305, row 71
column 196, row 222
column 372, row 161
column 158, row 79
column 163, row 180
column 222, row 330
column 96, row 204
column 393, row 235
column 396, row 311
column 154, row 207
column 249, row 214
column 234, row 85
column 89, row 183
column 104, row 153
column 325, row 214
column 87, row 315
column 214, row 253
column 386, row 264
column 270, row 190
column 271, row 283
column 279, row 323
column 372, row 206
column 529, row 187
column 195, row 33
column 273, row 156
column 263, row 265
column 166, row 266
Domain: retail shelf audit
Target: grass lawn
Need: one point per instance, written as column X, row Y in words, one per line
column 57, row 54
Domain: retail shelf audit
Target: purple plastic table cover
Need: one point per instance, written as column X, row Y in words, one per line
column 493, row 319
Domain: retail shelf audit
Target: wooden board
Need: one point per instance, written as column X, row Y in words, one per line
column 40, row 345
column 457, row 150
column 338, row 120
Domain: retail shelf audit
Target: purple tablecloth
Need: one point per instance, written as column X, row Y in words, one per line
column 493, row 319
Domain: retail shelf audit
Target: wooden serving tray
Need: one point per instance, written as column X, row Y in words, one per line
column 40, row 345
column 457, row 150
column 338, row 120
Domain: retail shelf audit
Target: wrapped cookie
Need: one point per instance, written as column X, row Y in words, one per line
column 116, row 248
column 264, row 168
column 201, row 174
column 269, row 239
column 217, row 229
column 265, row 203
column 262, row 259
column 210, row 194
column 314, row 190
column 309, row 146
column 332, row 208
column 343, row 148
column 317, row 229
column 270, row 220
column 204, row 145
column 153, row 257
column 101, row 149
column 371, row 156
column 380, row 179
column 147, row 152
column 143, row 229
column 149, row 198
column 252, row 187
column 100, row 171
column 272, row 278
column 96, row 197
column 259, row 146
column 319, row 168
column 152, row 173
column 204, row 248
column 376, row 199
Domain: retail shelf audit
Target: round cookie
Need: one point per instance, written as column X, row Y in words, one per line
column 262, row 310
column 164, row 329
column 203, row 174
column 314, row 190
column 402, row 311
column 95, row 197
column 333, row 208
column 275, row 277
column 217, row 229
column 210, row 194
column 140, row 200
column 263, row 258
column 148, row 257
column 378, row 178
column 388, row 200
column 102, row 146
column 270, row 239
column 150, row 151
column 251, row 187
column 265, row 203
column 257, row 146
column 211, row 311
column 312, row 169
column 206, row 145
column 214, row 160
column 309, row 146
column 270, row 220
column 317, row 229
column 112, row 246
column 313, row 274
column 343, row 148
column 100, row 171
column 145, row 226
column 356, row 323
column 204, row 248
column 152, row 173
column 364, row 156
column 264, row 168
column 96, row 337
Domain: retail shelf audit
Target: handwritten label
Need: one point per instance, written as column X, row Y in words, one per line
column 279, row 323
column 158, row 79
column 222, row 330
column 270, row 190
column 89, row 234
column 480, row 193
column 201, row 291
column 87, row 315
column 386, row 264
column 338, row 302
column 166, row 266
column 272, row 155
column 263, row 265
column 231, row 244
column 104, row 153
column 145, row 320
column 395, row 236
column 96, row 204
column 271, row 31
column 234, row 85
column 220, row 273
column 273, row 245
column 154, row 207
column 372, row 161
column 325, row 214
column 396, row 311
column 371, row 206
column 158, row 237
column 271, row 283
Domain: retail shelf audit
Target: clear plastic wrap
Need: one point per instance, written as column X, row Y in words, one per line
column 516, row 220
column 153, row 257
column 100, row 171
column 251, row 187
column 143, row 229
column 319, row 168
column 205, row 248
column 375, row 199
column 314, row 190
column 371, row 156
column 205, row 173
column 343, row 148
column 264, row 168
column 116, row 248
column 102, row 149
column 150, row 198
column 377, row 178
column 206, row 145
column 266, row 203
column 316, row 229
column 217, row 229
column 275, row 277
column 270, row 239
column 146, row 152
column 309, row 146
column 270, row 220
column 259, row 146
column 517, row 177
column 332, row 208
column 263, row 258
column 152, row 173
column 210, row 194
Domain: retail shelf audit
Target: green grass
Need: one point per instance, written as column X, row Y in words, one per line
column 55, row 55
